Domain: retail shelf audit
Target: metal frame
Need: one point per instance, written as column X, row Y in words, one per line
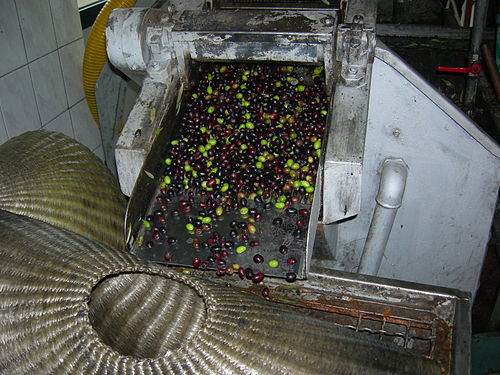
column 160, row 46
column 165, row 44
column 430, row 321
column 144, row 41
column 346, row 137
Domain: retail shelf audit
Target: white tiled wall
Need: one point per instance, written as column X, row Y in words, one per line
column 71, row 56
column 41, row 52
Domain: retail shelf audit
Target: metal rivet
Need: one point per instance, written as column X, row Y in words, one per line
column 396, row 132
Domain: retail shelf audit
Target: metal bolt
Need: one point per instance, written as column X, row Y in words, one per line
column 328, row 21
column 396, row 133
column 358, row 18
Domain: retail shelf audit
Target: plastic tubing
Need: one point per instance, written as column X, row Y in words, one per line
column 389, row 199
column 95, row 52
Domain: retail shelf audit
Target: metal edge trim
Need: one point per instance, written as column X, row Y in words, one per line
column 424, row 289
column 461, row 341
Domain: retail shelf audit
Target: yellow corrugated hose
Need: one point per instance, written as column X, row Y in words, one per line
column 95, row 52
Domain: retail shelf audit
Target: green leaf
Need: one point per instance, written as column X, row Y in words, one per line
column 139, row 241
column 158, row 131
column 149, row 174
column 179, row 97
column 152, row 114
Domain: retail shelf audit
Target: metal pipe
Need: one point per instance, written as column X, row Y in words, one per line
column 490, row 63
column 389, row 199
column 480, row 13
column 430, row 31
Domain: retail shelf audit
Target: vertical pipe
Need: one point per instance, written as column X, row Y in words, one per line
column 389, row 199
column 491, row 65
column 480, row 13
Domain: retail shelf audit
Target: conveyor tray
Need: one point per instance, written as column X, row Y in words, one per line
column 270, row 238
column 164, row 237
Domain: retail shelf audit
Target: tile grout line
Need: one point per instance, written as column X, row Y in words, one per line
column 64, row 85
column 3, row 119
column 66, row 110
column 54, row 27
column 52, row 119
column 22, row 36
column 36, row 99
column 99, row 138
column 38, row 58
column 60, row 65
column 29, row 72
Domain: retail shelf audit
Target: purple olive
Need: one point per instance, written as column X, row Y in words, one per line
column 196, row 262
column 258, row 277
column 265, row 292
column 258, row 258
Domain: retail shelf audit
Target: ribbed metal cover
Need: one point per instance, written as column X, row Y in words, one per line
column 72, row 305
column 51, row 177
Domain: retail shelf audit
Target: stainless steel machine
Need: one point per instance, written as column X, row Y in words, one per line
column 407, row 184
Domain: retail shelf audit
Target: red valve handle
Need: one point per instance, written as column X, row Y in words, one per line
column 474, row 69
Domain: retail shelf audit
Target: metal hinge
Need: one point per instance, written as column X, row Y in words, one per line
column 355, row 51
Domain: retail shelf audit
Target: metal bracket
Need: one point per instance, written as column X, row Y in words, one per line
column 355, row 8
column 346, row 140
column 355, row 50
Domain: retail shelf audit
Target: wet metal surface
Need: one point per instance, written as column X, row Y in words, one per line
column 270, row 237
column 165, row 238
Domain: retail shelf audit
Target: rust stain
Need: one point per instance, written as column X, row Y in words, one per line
column 387, row 312
column 416, row 324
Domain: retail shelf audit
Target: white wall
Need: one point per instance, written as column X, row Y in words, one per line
column 41, row 52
